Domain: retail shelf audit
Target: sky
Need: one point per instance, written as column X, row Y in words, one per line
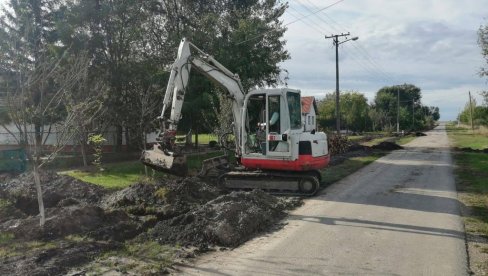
column 429, row 43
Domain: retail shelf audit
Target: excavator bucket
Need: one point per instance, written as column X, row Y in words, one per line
column 161, row 161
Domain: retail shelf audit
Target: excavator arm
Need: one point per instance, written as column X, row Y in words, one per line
column 165, row 155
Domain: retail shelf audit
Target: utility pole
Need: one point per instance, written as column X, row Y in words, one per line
column 471, row 111
column 413, row 114
column 398, row 110
column 336, row 44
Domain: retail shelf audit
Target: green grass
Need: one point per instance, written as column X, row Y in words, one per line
column 135, row 258
column 114, row 175
column 202, row 138
column 404, row 140
column 338, row 172
column 6, row 237
column 471, row 173
column 4, row 203
column 355, row 138
column 10, row 247
column 463, row 137
column 123, row 174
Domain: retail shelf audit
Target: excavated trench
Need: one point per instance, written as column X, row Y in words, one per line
column 84, row 220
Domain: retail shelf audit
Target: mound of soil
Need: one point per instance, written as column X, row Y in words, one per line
column 53, row 261
column 356, row 147
column 471, row 150
column 183, row 211
column 88, row 220
column 165, row 199
column 228, row 220
column 57, row 189
column 419, row 134
column 387, row 146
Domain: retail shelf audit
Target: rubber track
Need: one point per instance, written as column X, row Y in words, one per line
column 265, row 176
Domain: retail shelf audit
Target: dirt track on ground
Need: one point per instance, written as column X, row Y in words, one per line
column 397, row 216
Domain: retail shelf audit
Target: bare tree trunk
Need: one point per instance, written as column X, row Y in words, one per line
column 40, row 200
column 144, row 142
column 118, row 135
column 83, row 152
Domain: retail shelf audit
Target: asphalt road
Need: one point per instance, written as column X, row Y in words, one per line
column 396, row 216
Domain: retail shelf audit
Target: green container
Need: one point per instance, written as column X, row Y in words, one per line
column 13, row 160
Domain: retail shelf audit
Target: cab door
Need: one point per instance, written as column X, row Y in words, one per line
column 278, row 123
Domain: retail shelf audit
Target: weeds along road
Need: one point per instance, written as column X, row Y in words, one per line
column 399, row 215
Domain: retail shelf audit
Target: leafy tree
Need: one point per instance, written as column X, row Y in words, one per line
column 483, row 43
column 326, row 112
column 354, row 111
column 40, row 73
column 480, row 114
column 245, row 36
column 412, row 114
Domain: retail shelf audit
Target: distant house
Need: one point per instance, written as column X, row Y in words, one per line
column 309, row 113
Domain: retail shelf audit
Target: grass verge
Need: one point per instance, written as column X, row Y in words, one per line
column 135, row 258
column 463, row 137
column 123, row 174
column 471, row 174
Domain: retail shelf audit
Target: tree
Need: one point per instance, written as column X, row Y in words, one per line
column 412, row 114
column 354, row 111
column 245, row 36
column 124, row 40
column 41, row 73
column 479, row 114
column 326, row 111
column 483, row 43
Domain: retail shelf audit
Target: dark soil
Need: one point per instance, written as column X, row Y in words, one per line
column 184, row 211
column 471, row 150
column 57, row 189
column 387, row 146
column 54, row 261
column 228, row 220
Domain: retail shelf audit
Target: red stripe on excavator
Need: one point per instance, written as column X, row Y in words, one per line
column 303, row 163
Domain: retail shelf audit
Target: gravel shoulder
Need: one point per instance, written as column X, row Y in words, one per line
column 399, row 215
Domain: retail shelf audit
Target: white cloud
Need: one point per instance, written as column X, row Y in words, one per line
column 431, row 44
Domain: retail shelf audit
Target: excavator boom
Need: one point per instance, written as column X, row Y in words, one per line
column 165, row 156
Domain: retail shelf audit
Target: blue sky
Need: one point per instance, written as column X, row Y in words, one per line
column 431, row 44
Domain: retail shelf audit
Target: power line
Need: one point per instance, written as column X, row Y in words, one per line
column 360, row 49
column 297, row 20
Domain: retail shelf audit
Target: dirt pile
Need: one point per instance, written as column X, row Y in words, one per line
column 387, row 146
column 164, row 199
column 420, row 134
column 471, row 150
column 54, row 259
column 58, row 190
column 183, row 211
column 88, row 220
column 228, row 220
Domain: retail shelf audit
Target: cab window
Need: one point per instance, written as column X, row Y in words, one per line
column 295, row 110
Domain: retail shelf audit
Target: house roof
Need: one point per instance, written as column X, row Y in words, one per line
column 307, row 103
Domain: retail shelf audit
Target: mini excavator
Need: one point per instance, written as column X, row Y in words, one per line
column 272, row 149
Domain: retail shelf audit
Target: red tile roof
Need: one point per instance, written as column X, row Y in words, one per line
column 307, row 102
